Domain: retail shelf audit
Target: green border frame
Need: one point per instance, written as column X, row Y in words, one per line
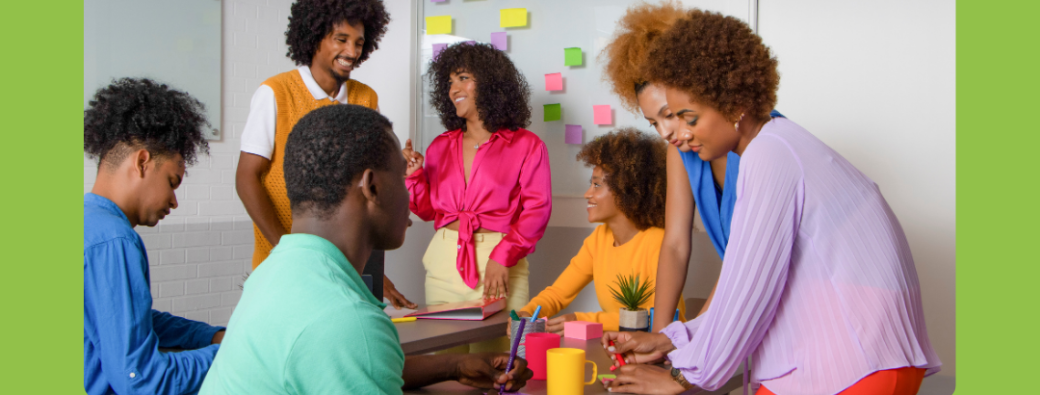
column 42, row 281
column 998, row 82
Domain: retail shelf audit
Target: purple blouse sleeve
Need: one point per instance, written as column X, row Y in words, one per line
column 770, row 197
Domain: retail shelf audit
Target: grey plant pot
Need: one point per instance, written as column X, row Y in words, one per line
column 633, row 321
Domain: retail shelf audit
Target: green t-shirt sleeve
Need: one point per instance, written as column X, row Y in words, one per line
column 346, row 351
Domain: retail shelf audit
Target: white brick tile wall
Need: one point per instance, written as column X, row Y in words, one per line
column 195, row 287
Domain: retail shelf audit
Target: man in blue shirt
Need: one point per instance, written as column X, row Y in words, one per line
column 143, row 135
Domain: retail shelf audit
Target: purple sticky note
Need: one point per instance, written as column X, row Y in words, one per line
column 470, row 42
column 554, row 82
column 437, row 1
column 500, row 41
column 573, row 134
column 601, row 115
column 437, row 48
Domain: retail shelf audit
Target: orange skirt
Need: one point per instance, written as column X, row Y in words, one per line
column 902, row 381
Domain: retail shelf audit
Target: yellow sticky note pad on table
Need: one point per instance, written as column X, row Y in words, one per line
column 438, row 24
column 512, row 17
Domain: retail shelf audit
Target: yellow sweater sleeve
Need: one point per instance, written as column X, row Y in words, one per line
column 574, row 278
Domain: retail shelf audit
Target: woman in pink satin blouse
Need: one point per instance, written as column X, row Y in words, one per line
column 485, row 182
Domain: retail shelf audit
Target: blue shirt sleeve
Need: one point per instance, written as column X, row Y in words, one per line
column 122, row 324
column 174, row 331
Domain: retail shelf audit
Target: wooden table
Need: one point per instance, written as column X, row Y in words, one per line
column 593, row 352
column 425, row 336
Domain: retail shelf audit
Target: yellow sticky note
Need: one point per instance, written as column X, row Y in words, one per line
column 438, row 24
column 512, row 17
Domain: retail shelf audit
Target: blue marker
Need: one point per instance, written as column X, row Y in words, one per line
column 536, row 311
column 650, row 328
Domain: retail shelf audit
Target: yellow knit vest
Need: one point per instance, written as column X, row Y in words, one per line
column 294, row 101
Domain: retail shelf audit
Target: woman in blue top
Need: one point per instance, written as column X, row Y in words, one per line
column 690, row 180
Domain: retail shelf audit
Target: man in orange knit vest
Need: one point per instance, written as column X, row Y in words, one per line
column 326, row 39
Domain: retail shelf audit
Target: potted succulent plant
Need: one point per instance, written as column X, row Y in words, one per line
column 632, row 293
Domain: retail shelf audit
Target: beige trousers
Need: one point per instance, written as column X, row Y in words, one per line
column 444, row 283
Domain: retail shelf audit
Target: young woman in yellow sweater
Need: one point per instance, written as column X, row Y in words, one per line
column 626, row 194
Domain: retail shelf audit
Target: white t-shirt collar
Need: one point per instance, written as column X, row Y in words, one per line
column 315, row 89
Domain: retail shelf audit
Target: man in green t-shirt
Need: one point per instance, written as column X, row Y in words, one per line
column 306, row 323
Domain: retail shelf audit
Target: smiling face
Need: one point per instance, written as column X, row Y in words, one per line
column 600, row 199
column 156, row 197
column 703, row 129
column 656, row 111
column 463, row 94
column 339, row 50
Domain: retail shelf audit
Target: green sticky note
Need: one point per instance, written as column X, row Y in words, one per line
column 552, row 112
column 572, row 56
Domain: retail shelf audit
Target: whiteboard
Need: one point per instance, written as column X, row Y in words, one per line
column 538, row 49
column 173, row 42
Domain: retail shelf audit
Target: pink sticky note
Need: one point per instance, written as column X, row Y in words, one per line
column 601, row 115
column 573, row 134
column 582, row 330
column 437, row 48
column 500, row 40
column 554, row 82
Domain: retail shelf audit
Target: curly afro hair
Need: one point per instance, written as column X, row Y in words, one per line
column 719, row 61
column 633, row 163
column 502, row 91
column 310, row 21
column 640, row 26
column 135, row 113
column 327, row 148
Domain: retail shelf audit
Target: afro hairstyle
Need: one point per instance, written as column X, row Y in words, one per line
column 141, row 113
column 641, row 25
column 634, row 169
column 719, row 62
column 310, row 21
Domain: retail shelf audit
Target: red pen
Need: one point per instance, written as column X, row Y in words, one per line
column 620, row 359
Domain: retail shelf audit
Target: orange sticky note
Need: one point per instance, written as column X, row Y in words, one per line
column 512, row 17
column 554, row 82
column 438, row 24
column 601, row 115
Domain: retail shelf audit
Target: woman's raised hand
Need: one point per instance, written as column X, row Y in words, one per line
column 415, row 159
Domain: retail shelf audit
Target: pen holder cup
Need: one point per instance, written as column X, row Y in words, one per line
column 537, row 326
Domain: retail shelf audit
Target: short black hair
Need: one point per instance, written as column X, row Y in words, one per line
column 502, row 90
column 311, row 20
column 143, row 113
column 327, row 148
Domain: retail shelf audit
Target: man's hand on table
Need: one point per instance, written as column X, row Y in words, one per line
column 218, row 337
column 643, row 379
column 487, row 371
column 637, row 347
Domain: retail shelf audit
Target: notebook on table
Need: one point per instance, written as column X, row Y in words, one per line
column 471, row 310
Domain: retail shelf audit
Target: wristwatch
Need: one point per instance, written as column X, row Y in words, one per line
column 679, row 378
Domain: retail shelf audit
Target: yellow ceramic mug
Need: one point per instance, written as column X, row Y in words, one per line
column 566, row 371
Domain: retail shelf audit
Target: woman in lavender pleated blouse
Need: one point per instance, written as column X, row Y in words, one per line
column 818, row 284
